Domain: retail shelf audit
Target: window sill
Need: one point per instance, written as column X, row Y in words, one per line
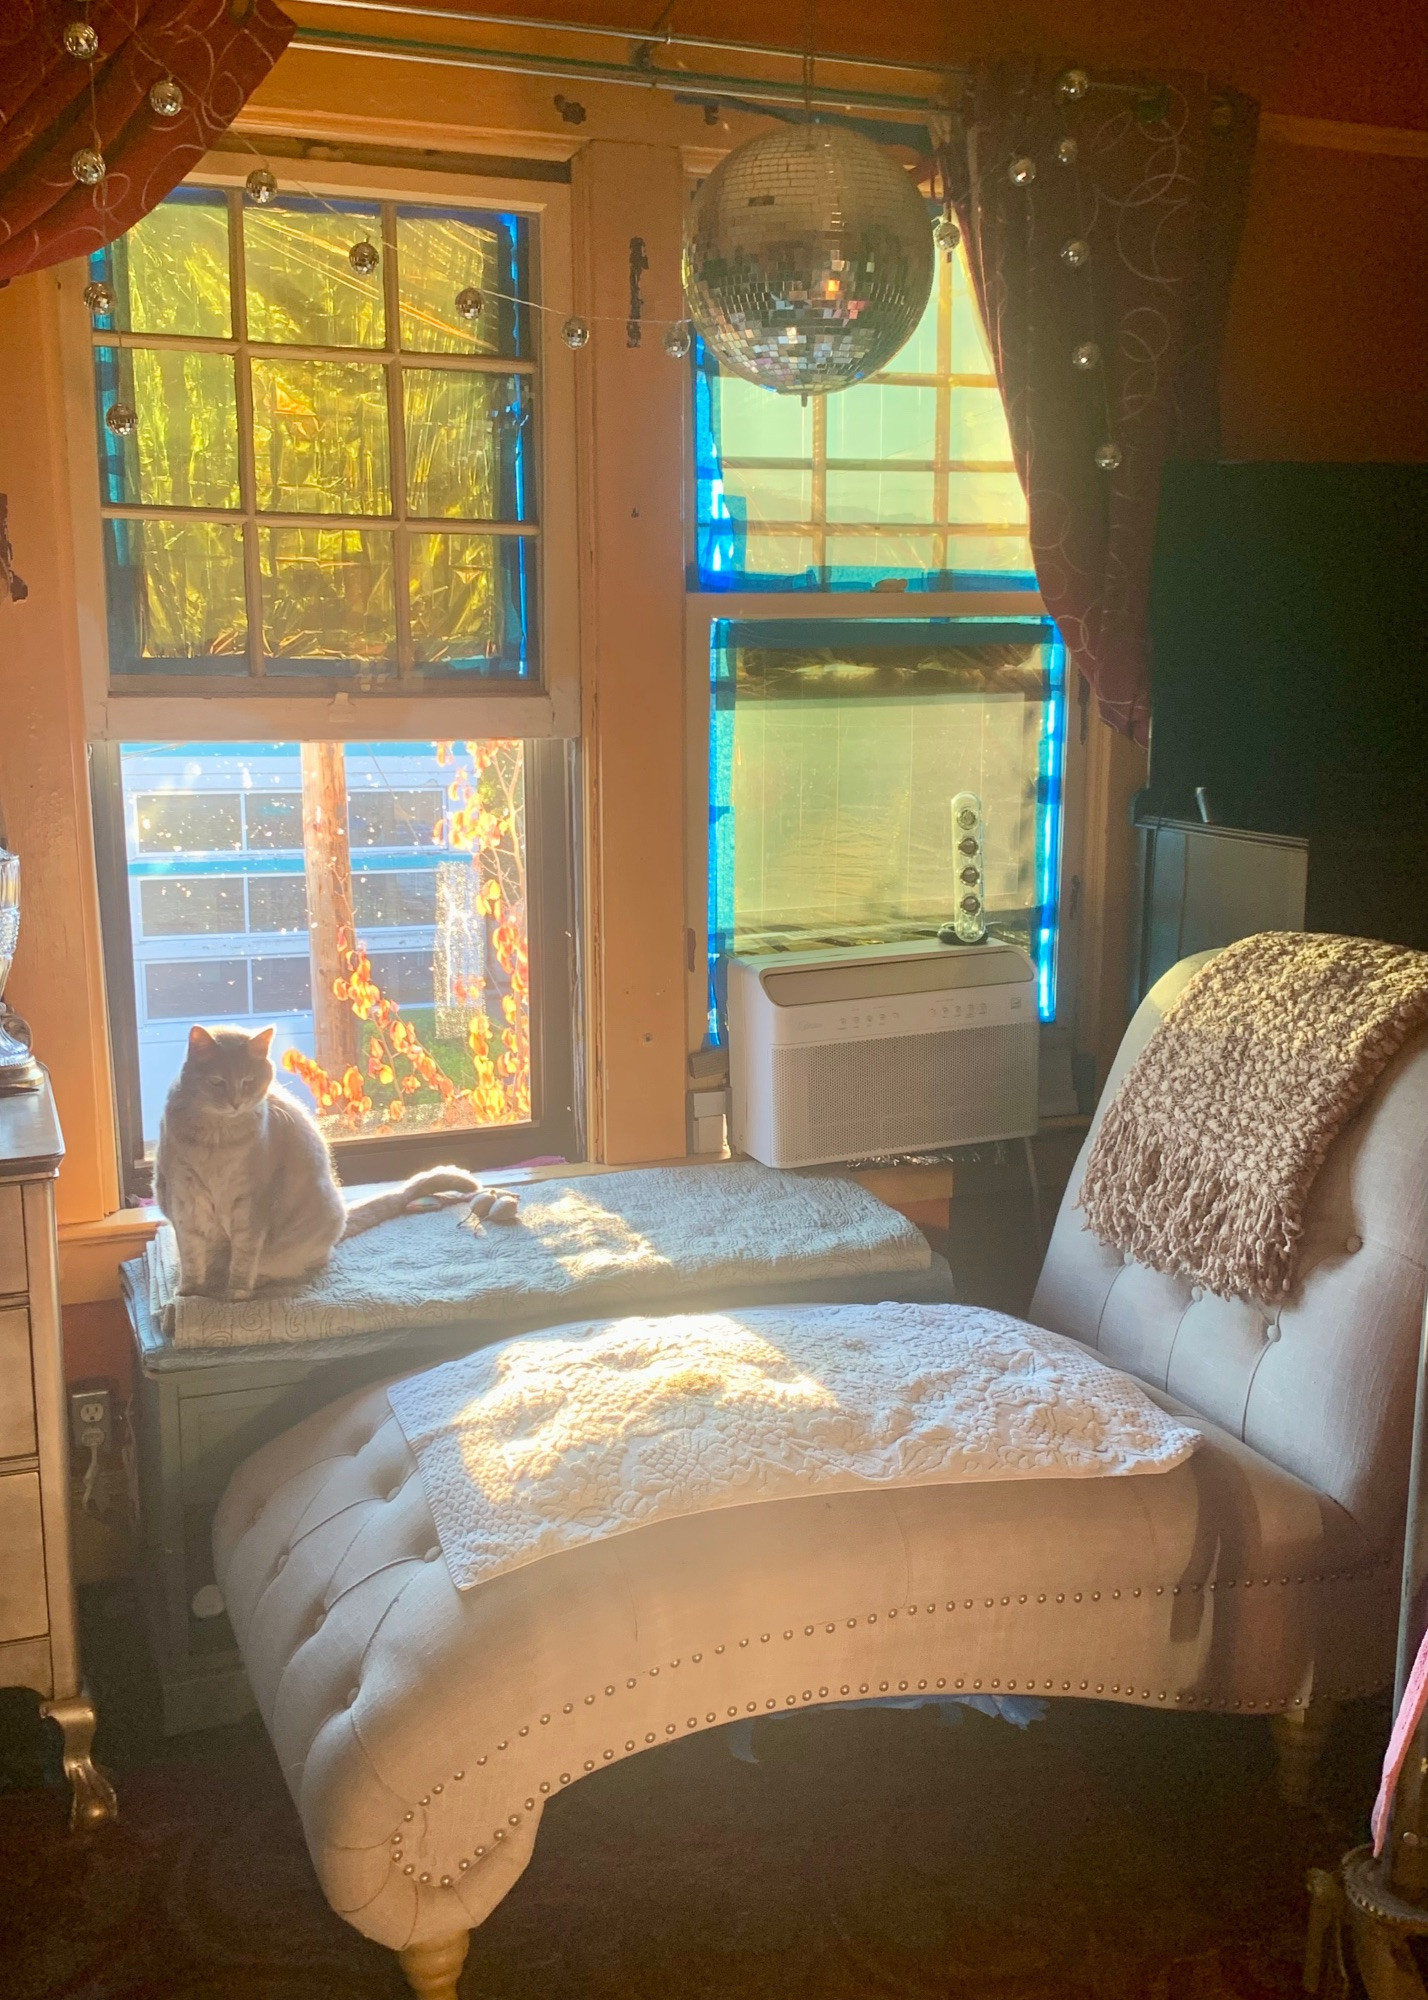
column 90, row 1253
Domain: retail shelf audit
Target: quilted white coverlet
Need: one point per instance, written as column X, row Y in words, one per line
column 549, row 1441
column 601, row 1243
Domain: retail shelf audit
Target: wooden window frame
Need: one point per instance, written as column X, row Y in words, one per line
column 545, row 715
column 242, row 710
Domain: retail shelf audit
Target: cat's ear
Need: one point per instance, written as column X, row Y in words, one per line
column 200, row 1042
column 262, row 1041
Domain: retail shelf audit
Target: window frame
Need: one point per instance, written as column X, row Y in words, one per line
column 1083, row 754
column 557, row 1125
column 267, row 709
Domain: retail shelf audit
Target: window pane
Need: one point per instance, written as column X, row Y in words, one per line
column 880, row 496
column 282, row 985
column 877, row 456
column 762, row 494
column 196, row 989
column 873, row 422
column 886, row 553
column 328, row 601
column 184, row 452
column 176, row 597
column 755, row 424
column 427, row 1005
column 986, row 496
column 388, row 901
column 440, row 254
column 971, row 354
column 301, row 284
column 836, row 752
column 185, row 907
column 466, row 451
column 791, row 556
column 473, row 604
column 277, row 902
column 407, row 976
column 273, row 819
column 979, row 429
column 919, row 356
column 181, row 820
column 169, row 273
column 320, row 437
column 381, row 818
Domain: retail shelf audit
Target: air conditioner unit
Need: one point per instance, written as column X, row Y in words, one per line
column 841, row 1055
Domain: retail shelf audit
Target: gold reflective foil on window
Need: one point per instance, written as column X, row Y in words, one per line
column 176, row 600
column 441, row 255
column 184, row 449
column 329, row 601
column 302, row 288
column 462, row 431
column 171, row 268
column 320, row 443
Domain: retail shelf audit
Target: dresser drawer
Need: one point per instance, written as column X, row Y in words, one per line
column 17, row 1391
column 13, row 1276
column 24, row 1612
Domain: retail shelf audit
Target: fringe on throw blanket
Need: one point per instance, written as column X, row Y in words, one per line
column 1204, row 1161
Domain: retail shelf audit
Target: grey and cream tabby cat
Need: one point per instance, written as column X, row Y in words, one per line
column 244, row 1175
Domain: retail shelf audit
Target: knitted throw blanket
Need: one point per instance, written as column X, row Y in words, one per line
column 1205, row 1158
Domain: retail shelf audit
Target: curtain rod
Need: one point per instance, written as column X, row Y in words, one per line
column 714, row 86
column 644, row 39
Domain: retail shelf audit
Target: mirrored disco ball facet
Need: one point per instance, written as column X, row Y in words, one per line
column 808, row 259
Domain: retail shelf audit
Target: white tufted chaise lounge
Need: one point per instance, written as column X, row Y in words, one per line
column 422, row 1730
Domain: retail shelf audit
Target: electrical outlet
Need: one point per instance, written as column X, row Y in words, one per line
column 91, row 1418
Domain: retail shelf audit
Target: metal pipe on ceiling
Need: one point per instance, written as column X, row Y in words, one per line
column 643, row 38
column 708, row 84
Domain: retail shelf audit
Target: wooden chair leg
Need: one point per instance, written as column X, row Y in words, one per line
column 1299, row 1738
column 432, row 1970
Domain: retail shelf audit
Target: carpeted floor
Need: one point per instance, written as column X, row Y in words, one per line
column 1103, row 1852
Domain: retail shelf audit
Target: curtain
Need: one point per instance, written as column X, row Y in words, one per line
column 54, row 102
column 1102, row 216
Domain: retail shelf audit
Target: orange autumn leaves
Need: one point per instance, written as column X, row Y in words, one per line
column 401, row 1080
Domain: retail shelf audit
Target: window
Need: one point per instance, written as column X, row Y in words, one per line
column 865, row 609
column 907, row 477
column 413, row 1002
column 836, row 747
column 324, row 494
column 317, row 473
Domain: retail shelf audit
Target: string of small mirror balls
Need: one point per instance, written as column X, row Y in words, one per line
column 1075, row 252
column 166, row 100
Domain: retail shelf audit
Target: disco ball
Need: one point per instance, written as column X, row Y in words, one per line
column 808, row 259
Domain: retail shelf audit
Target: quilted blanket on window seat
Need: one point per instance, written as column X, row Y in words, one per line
column 548, row 1441
column 652, row 1238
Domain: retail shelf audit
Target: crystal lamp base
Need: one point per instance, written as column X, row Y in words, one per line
column 18, row 1068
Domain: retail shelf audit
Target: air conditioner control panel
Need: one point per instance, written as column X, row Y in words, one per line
column 907, row 1014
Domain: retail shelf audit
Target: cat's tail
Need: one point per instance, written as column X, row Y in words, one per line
column 375, row 1208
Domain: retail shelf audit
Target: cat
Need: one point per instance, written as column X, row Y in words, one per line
column 244, row 1175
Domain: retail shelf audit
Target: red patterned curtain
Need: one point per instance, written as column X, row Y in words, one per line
column 146, row 85
column 1102, row 216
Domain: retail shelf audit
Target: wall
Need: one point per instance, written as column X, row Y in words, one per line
column 1324, row 360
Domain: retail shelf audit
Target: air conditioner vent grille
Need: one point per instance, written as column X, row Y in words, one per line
column 845, row 1100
